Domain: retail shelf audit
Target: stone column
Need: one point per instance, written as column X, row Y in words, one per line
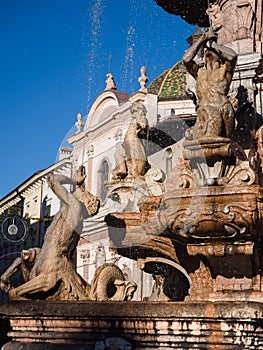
column 90, row 154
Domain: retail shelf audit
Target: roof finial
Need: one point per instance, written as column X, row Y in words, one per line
column 143, row 79
column 110, row 84
column 79, row 123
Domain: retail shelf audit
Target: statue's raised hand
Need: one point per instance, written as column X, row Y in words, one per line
column 211, row 35
column 5, row 284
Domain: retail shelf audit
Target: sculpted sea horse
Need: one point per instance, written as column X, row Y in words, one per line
column 48, row 272
column 131, row 158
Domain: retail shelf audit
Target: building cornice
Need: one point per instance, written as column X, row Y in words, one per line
column 29, row 184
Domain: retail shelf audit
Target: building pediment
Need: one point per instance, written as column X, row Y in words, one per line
column 104, row 105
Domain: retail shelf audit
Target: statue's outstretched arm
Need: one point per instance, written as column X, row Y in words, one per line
column 188, row 58
column 12, row 269
column 56, row 182
column 63, row 179
column 5, row 279
column 60, row 179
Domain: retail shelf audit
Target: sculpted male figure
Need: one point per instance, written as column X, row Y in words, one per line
column 53, row 276
column 215, row 114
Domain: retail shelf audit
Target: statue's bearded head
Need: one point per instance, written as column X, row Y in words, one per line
column 212, row 60
column 29, row 255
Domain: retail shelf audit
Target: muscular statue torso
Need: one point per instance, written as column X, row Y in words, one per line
column 60, row 240
column 212, row 86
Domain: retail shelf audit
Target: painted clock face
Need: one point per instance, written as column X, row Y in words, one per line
column 14, row 229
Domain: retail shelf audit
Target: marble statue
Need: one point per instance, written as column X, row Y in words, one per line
column 48, row 272
column 215, row 114
column 24, row 263
column 143, row 79
column 131, row 159
column 133, row 176
column 79, row 123
column 110, row 84
column 157, row 290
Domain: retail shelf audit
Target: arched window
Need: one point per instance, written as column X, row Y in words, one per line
column 104, row 173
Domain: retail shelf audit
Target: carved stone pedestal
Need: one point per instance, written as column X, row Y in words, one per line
column 134, row 325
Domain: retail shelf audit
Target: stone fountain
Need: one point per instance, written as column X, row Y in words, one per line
column 201, row 238
column 206, row 226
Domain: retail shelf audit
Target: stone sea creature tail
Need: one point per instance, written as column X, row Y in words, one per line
column 107, row 284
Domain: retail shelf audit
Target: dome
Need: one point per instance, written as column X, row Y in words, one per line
column 171, row 83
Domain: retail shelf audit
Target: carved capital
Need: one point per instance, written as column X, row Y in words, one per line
column 118, row 135
column 90, row 151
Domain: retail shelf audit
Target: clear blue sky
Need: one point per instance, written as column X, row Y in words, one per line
column 54, row 61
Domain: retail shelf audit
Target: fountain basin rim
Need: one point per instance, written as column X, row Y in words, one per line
column 131, row 309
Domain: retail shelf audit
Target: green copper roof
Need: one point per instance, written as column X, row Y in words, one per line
column 171, row 83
